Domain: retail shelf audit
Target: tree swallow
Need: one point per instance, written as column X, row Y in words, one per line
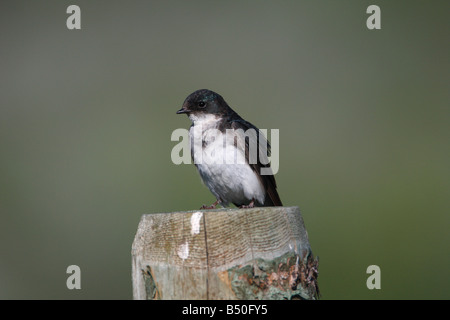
column 230, row 153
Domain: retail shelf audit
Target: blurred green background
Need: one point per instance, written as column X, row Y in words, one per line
column 86, row 118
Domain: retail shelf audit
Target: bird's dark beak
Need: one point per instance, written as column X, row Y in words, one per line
column 183, row 110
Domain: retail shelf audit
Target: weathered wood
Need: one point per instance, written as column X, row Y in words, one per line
column 258, row 253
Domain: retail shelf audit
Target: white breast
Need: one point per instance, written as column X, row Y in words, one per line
column 222, row 166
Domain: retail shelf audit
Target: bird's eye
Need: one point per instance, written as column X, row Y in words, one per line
column 201, row 104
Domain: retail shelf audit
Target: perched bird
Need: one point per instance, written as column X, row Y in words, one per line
column 229, row 153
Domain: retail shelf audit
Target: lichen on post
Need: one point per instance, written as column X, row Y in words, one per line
column 258, row 253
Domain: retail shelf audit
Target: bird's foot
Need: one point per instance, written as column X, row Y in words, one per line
column 250, row 205
column 213, row 206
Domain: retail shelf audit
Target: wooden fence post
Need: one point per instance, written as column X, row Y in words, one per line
column 258, row 253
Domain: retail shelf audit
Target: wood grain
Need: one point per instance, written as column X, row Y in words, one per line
column 258, row 253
